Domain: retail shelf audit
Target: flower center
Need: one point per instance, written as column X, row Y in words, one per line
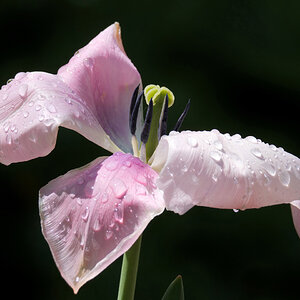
column 158, row 99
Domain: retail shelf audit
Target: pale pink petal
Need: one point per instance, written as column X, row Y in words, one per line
column 222, row 171
column 32, row 107
column 295, row 207
column 92, row 215
column 103, row 76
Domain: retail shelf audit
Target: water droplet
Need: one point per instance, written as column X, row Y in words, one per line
column 85, row 214
column 9, row 81
column 68, row 100
column 88, row 62
column 119, row 188
column 192, row 142
column 215, row 177
column 25, row 114
column 140, row 190
column 38, row 107
column 284, row 178
column 97, row 225
column 127, row 163
column 236, row 137
column 140, row 178
column 270, row 169
column 108, row 234
column 119, row 213
column 6, row 127
column 52, row 108
column 77, row 279
column 41, row 118
column 111, row 165
column 30, row 103
column 218, row 145
column 236, row 210
column 23, row 90
column 235, row 180
column 49, row 122
column 251, row 139
column 20, row 75
column 257, row 153
column 41, row 97
column 274, row 148
column 79, row 201
column 8, row 139
column 216, row 156
column 104, row 197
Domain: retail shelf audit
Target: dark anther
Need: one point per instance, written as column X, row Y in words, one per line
column 134, row 113
column 133, row 100
column 163, row 125
column 181, row 118
column 148, row 119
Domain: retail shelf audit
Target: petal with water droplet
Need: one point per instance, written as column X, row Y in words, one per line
column 88, row 231
column 35, row 121
column 105, row 78
column 240, row 176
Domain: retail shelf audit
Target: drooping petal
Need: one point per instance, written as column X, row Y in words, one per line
column 92, row 215
column 103, row 75
column 295, row 207
column 32, row 107
column 222, row 171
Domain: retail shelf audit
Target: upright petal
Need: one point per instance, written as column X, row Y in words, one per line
column 103, row 75
column 92, row 215
column 32, row 107
column 223, row 171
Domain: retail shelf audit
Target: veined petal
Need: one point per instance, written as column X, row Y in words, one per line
column 32, row 107
column 103, row 76
column 295, row 207
column 222, row 171
column 92, row 215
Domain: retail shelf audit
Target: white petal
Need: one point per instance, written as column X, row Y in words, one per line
column 222, row 171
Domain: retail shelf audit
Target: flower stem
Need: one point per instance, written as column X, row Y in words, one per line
column 129, row 271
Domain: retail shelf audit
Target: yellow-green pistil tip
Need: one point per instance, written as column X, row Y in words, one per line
column 158, row 94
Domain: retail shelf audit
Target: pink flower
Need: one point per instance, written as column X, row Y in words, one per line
column 92, row 215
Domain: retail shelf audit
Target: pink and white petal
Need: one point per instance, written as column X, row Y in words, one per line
column 103, row 76
column 295, row 207
column 222, row 171
column 92, row 215
column 32, row 107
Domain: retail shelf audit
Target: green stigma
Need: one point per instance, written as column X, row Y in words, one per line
column 158, row 94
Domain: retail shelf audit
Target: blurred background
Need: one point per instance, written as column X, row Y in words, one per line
column 239, row 62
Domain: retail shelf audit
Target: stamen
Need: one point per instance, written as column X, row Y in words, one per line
column 133, row 100
column 164, row 117
column 181, row 118
column 134, row 114
column 147, row 125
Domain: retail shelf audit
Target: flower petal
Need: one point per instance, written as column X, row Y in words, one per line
column 222, row 171
column 33, row 106
column 103, row 76
column 92, row 215
column 295, row 207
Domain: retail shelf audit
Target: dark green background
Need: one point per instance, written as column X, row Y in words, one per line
column 239, row 62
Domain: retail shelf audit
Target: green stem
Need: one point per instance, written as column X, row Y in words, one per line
column 129, row 271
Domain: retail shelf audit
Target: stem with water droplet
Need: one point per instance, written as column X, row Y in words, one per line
column 129, row 271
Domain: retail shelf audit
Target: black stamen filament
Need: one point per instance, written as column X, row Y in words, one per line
column 181, row 118
column 134, row 110
column 164, row 119
column 147, row 125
